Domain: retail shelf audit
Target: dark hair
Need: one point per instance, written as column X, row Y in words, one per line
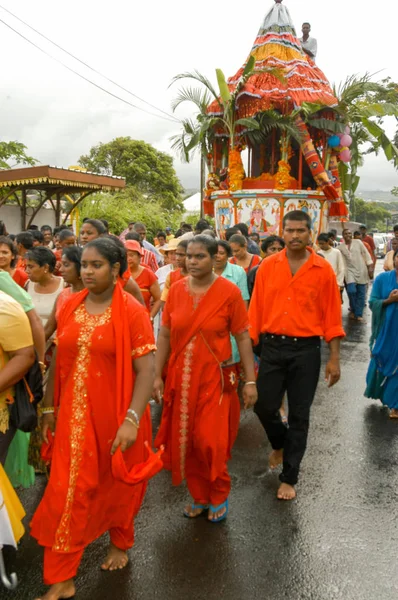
column 226, row 247
column 3, row 229
column 97, row 224
column 306, row 23
column 206, row 241
column 184, row 244
column 395, row 227
column 238, row 239
column 44, row 228
column 42, row 256
column 298, row 215
column 186, row 226
column 12, row 236
column 33, row 228
column 105, row 223
column 357, row 232
column 132, row 235
column 230, row 232
column 60, row 228
column 7, row 242
column 201, row 225
column 110, row 250
column 255, row 234
column 331, row 235
column 265, row 244
column 38, row 236
column 74, row 254
column 65, row 234
column 26, row 239
column 324, row 237
column 243, row 228
column 363, row 227
column 161, row 234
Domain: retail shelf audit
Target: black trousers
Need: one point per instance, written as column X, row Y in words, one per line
column 289, row 365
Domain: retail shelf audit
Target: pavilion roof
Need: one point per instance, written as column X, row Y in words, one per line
column 278, row 47
column 58, row 180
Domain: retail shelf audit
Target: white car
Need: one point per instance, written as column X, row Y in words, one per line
column 381, row 244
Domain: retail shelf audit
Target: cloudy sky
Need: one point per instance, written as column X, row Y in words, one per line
column 142, row 45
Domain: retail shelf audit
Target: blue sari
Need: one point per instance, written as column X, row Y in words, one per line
column 382, row 375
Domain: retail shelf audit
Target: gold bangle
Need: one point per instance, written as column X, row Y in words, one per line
column 47, row 410
column 132, row 422
column 250, row 383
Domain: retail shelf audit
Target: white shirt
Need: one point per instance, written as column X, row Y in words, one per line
column 336, row 261
column 311, row 45
column 356, row 260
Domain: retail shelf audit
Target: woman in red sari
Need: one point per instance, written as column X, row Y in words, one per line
column 201, row 407
column 143, row 277
column 101, row 385
column 241, row 256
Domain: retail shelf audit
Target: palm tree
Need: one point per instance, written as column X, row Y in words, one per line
column 363, row 104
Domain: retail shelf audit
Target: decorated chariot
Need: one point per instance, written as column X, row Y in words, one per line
column 277, row 139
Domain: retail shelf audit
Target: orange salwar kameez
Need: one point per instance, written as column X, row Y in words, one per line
column 201, row 409
column 86, row 495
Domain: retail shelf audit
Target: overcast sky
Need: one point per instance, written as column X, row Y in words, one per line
column 142, row 45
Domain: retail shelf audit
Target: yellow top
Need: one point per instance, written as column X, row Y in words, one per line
column 15, row 333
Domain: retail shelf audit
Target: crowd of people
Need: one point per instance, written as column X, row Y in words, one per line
column 199, row 324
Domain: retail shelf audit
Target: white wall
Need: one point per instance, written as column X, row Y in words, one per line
column 11, row 216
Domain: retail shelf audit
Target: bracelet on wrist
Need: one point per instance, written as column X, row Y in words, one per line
column 133, row 413
column 47, row 410
column 250, row 383
column 132, row 422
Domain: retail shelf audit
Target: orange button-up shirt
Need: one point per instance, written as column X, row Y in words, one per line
column 304, row 305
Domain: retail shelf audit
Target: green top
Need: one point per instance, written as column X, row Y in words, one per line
column 8, row 286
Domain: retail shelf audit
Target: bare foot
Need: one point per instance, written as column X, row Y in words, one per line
column 275, row 458
column 286, row 492
column 191, row 512
column 393, row 413
column 59, row 591
column 360, row 319
column 115, row 559
column 352, row 316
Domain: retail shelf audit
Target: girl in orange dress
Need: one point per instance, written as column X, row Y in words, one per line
column 144, row 278
column 201, row 407
column 96, row 401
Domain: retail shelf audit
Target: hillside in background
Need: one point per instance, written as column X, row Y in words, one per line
column 377, row 196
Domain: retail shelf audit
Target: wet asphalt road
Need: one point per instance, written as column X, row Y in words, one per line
column 337, row 540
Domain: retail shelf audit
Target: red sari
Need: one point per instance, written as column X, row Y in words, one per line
column 144, row 282
column 201, row 407
column 90, row 492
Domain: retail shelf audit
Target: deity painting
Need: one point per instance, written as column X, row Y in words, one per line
column 257, row 222
column 260, row 215
column 223, row 214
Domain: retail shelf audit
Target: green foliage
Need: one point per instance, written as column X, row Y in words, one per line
column 121, row 208
column 13, row 154
column 394, row 191
column 148, row 170
column 372, row 214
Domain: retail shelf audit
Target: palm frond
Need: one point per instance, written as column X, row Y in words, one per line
column 199, row 97
column 195, row 75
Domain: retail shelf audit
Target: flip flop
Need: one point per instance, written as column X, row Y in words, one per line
column 194, row 506
column 215, row 509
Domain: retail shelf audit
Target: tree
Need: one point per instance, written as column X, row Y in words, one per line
column 148, row 170
column 13, row 154
column 363, row 104
column 371, row 214
column 120, row 208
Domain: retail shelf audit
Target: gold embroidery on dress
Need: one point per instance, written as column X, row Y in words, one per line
column 184, row 405
column 79, row 415
column 137, row 352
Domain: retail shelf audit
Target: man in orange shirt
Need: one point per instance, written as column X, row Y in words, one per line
column 295, row 303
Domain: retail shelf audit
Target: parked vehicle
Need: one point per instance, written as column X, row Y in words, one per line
column 381, row 244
